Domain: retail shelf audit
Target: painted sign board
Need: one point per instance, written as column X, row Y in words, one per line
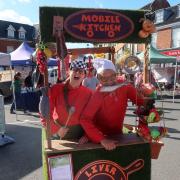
column 99, row 25
column 93, row 25
column 131, row 160
column 175, row 52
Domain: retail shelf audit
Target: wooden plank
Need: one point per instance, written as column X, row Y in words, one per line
column 100, row 50
column 59, row 146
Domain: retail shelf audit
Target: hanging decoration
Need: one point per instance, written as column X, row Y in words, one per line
column 41, row 58
column 148, row 27
column 149, row 114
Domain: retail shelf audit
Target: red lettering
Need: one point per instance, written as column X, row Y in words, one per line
column 112, row 19
column 96, row 27
column 107, row 19
column 117, row 28
column 107, row 168
column 101, row 27
column 86, row 18
column 90, row 34
column 106, row 27
column 90, row 27
column 101, row 167
column 117, row 19
column 94, row 169
column 88, row 174
column 94, row 18
column 113, row 171
column 101, row 19
column 111, row 27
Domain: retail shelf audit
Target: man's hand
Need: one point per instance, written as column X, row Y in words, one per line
column 62, row 131
column 109, row 144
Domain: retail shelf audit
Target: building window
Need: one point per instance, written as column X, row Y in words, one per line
column 22, row 32
column 21, row 35
column 176, row 37
column 10, row 49
column 159, row 16
column 10, row 31
column 154, row 40
column 178, row 11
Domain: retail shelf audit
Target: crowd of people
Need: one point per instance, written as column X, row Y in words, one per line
column 89, row 107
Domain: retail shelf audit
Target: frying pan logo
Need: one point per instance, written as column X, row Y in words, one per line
column 108, row 170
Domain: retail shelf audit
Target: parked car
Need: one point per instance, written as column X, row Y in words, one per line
column 52, row 75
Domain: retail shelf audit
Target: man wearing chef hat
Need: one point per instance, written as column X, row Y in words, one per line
column 105, row 112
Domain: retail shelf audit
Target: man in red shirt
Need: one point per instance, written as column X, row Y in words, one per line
column 105, row 112
column 67, row 101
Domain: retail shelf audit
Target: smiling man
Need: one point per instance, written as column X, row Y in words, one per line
column 105, row 112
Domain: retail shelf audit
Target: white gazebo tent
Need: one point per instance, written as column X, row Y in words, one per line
column 5, row 60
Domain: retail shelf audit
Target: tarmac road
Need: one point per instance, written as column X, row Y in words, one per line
column 22, row 160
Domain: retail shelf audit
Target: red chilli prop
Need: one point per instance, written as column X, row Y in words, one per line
column 41, row 61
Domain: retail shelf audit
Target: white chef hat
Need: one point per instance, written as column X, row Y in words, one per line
column 102, row 64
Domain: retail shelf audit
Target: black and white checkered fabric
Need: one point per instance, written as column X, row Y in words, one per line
column 79, row 64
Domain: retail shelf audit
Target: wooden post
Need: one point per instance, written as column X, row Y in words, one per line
column 48, row 129
column 112, row 54
column 145, row 68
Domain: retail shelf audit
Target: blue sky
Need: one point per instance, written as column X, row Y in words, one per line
column 27, row 11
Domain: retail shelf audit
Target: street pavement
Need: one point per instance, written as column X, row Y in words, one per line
column 22, row 160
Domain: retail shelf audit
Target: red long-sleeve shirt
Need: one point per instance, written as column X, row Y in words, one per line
column 77, row 97
column 104, row 114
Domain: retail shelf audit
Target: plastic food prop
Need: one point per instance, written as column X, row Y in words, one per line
column 41, row 59
column 149, row 114
column 148, row 27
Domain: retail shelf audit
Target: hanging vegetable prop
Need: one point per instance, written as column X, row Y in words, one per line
column 143, row 34
column 149, row 114
column 48, row 53
column 148, row 90
column 148, row 27
column 154, row 116
column 157, row 134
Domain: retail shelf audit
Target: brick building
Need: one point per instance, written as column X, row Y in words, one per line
column 13, row 34
column 167, row 22
column 167, row 36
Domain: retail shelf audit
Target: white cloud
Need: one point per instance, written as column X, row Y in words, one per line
column 100, row 5
column 11, row 15
column 25, row 1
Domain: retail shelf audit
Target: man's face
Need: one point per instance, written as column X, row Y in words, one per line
column 107, row 77
column 76, row 76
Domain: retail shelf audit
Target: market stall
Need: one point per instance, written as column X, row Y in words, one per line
column 132, row 158
column 5, row 60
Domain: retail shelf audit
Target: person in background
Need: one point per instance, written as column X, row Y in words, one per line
column 67, row 101
column 28, row 80
column 27, row 88
column 105, row 112
column 17, row 91
column 90, row 80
